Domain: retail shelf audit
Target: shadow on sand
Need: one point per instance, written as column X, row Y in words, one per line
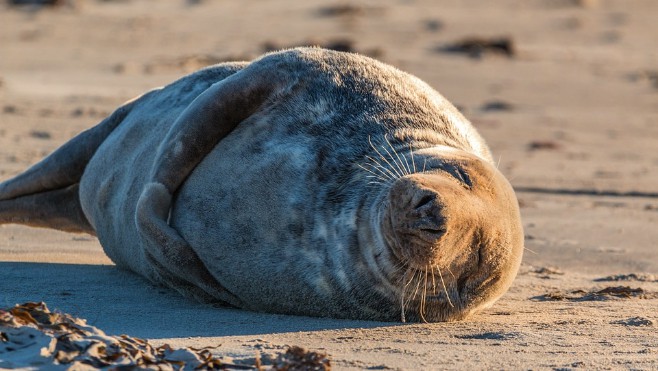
column 120, row 302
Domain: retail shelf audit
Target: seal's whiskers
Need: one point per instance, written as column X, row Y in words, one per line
column 433, row 282
column 398, row 164
column 534, row 252
column 445, row 289
column 491, row 180
column 417, row 290
column 397, row 171
column 413, row 162
column 492, row 177
column 416, row 271
column 398, row 267
column 399, row 167
column 379, row 176
column 403, row 303
column 407, row 169
column 382, row 168
column 452, row 274
column 417, row 282
column 414, row 277
column 423, row 299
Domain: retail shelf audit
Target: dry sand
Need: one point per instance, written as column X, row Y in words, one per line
column 571, row 112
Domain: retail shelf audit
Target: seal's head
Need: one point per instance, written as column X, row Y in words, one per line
column 455, row 230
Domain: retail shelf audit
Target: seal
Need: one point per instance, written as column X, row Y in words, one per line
column 307, row 182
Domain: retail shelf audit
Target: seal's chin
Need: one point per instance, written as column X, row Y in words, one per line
column 456, row 231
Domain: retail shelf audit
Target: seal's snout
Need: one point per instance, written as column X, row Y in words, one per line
column 425, row 218
column 418, row 220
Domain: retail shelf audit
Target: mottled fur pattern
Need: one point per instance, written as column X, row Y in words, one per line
column 289, row 210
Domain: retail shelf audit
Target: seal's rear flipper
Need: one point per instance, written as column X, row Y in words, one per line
column 58, row 209
column 46, row 195
column 208, row 119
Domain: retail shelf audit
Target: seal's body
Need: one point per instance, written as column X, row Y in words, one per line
column 306, row 182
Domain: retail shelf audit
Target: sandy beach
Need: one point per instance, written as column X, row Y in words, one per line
column 565, row 92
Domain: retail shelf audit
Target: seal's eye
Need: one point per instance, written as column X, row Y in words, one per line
column 460, row 174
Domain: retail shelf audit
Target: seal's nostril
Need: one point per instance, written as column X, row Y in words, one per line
column 424, row 201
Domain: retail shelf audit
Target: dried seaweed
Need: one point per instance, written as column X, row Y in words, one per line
column 477, row 47
column 33, row 336
column 629, row 277
column 615, row 292
column 36, row 2
column 536, row 145
column 296, row 358
column 635, row 321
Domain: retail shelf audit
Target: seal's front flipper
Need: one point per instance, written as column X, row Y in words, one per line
column 170, row 257
column 208, row 119
column 46, row 195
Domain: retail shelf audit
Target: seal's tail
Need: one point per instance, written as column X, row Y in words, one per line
column 46, row 195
